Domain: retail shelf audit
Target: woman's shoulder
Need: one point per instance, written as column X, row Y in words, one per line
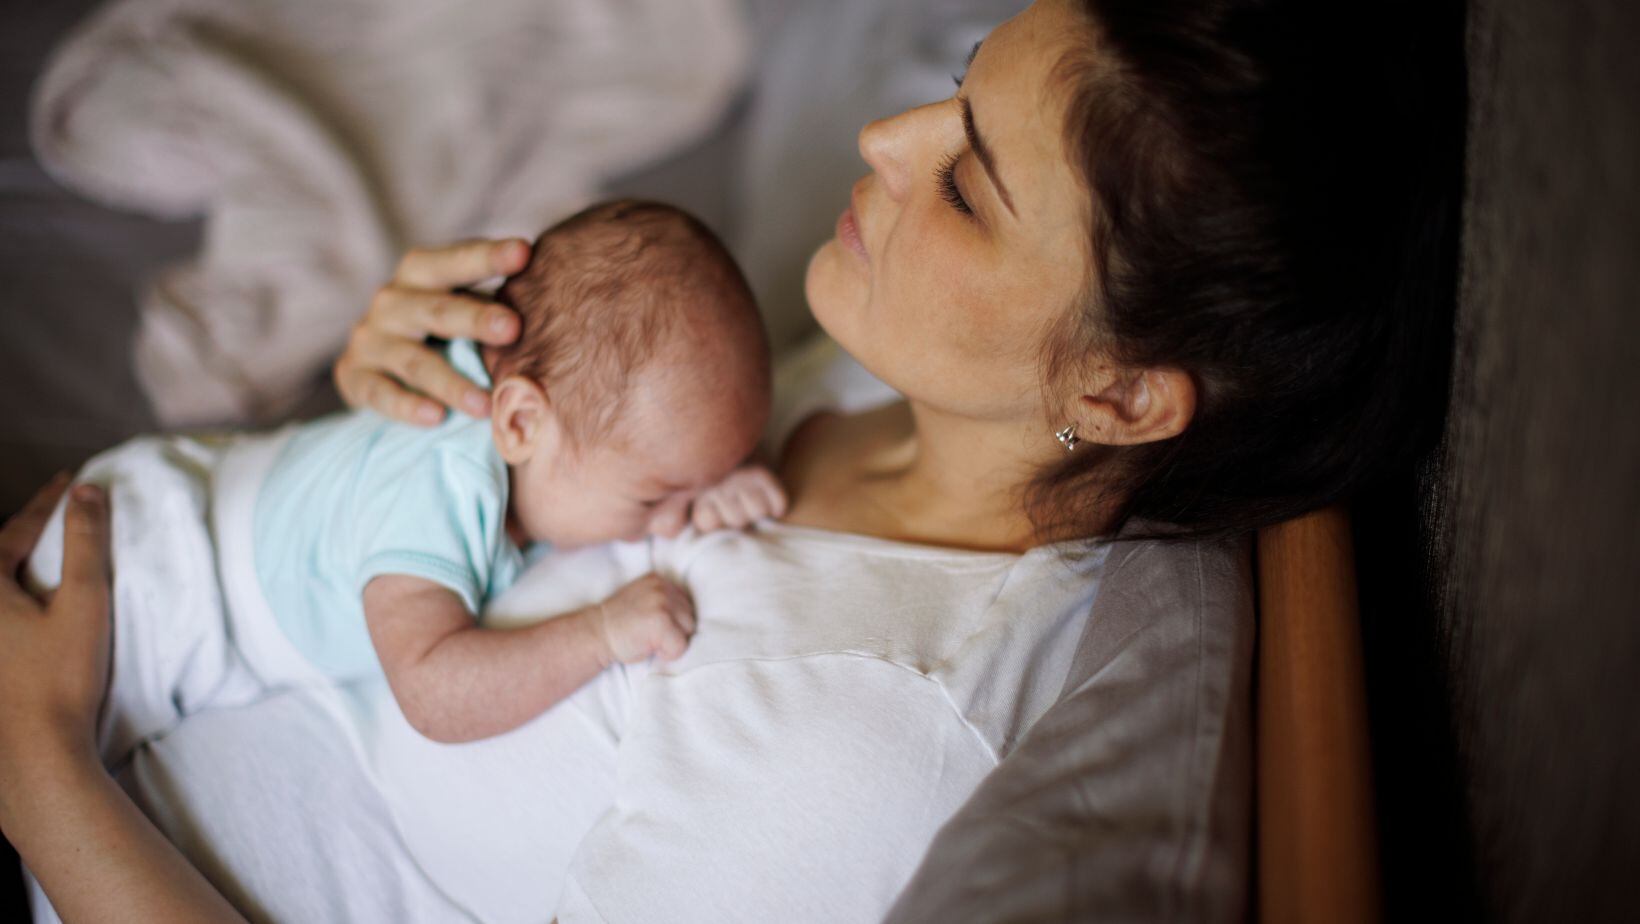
column 819, row 469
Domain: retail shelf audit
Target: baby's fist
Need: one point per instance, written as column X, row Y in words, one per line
column 745, row 495
column 650, row 616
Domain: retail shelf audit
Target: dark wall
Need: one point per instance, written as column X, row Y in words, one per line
column 1504, row 677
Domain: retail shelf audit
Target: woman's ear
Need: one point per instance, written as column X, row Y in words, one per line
column 523, row 421
column 1138, row 406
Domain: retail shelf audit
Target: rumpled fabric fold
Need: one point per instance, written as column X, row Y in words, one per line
column 320, row 138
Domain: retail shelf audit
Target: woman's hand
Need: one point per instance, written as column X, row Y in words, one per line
column 387, row 366
column 54, row 656
column 94, row 854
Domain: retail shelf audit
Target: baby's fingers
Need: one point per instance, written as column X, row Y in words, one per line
column 765, row 495
column 706, row 514
column 680, row 607
column 671, row 645
column 774, row 496
column 742, row 506
column 684, row 617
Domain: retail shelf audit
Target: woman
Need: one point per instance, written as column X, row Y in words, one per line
column 1110, row 278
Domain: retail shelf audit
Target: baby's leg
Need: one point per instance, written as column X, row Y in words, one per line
column 171, row 650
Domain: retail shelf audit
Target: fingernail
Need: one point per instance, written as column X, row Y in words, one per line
column 429, row 413
column 88, row 494
column 477, row 403
column 519, row 253
column 500, row 324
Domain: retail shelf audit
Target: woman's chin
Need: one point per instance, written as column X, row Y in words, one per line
column 826, row 287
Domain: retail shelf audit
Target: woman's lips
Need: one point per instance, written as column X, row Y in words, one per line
column 848, row 232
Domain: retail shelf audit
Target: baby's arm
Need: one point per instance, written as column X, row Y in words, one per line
column 458, row 681
column 745, row 495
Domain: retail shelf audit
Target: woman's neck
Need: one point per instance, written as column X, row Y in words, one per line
column 914, row 473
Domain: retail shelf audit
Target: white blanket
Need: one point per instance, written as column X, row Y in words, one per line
column 793, row 765
column 320, row 138
column 173, row 653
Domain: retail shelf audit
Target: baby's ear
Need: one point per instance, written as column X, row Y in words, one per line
column 523, row 421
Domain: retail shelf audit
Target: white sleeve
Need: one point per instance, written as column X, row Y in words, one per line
column 818, row 376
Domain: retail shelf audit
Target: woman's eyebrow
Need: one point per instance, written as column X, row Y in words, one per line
column 984, row 153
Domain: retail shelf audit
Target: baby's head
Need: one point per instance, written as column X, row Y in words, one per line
column 641, row 375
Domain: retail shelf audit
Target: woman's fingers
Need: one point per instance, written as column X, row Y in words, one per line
column 421, row 369
column 415, row 313
column 389, row 369
column 365, row 387
column 395, row 377
column 53, row 670
column 84, row 590
column 18, row 535
column 461, row 264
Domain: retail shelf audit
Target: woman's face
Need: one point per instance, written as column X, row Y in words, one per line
column 946, row 274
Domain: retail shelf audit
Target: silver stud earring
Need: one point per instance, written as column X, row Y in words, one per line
column 1067, row 437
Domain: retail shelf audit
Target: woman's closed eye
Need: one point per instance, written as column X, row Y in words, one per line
column 946, row 177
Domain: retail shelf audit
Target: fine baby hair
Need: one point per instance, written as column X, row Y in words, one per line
column 610, row 288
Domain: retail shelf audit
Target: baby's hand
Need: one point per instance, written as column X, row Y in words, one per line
column 650, row 616
column 747, row 494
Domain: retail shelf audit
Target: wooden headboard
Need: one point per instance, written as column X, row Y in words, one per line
column 1317, row 841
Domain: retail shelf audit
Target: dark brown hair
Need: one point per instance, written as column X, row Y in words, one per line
column 1274, row 190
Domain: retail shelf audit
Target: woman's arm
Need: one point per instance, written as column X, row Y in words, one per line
column 94, row 853
column 387, row 365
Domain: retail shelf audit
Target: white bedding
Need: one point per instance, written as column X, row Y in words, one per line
column 842, row 697
column 321, row 138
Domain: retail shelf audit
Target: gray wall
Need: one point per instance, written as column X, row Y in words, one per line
column 1504, row 687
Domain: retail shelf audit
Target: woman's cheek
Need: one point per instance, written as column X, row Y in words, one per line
column 952, row 304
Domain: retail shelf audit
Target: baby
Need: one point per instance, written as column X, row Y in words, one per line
column 635, row 393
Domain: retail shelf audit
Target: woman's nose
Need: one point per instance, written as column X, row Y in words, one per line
column 891, row 146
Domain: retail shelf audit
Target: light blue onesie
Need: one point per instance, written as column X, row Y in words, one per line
column 355, row 495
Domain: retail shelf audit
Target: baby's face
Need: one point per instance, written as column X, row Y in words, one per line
column 638, row 481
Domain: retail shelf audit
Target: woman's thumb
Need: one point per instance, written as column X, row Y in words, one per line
column 85, row 548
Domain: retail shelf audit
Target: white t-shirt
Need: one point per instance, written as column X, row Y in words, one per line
column 842, row 697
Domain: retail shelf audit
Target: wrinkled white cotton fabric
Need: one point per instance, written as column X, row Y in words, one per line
column 844, row 696
column 841, row 698
column 320, row 138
